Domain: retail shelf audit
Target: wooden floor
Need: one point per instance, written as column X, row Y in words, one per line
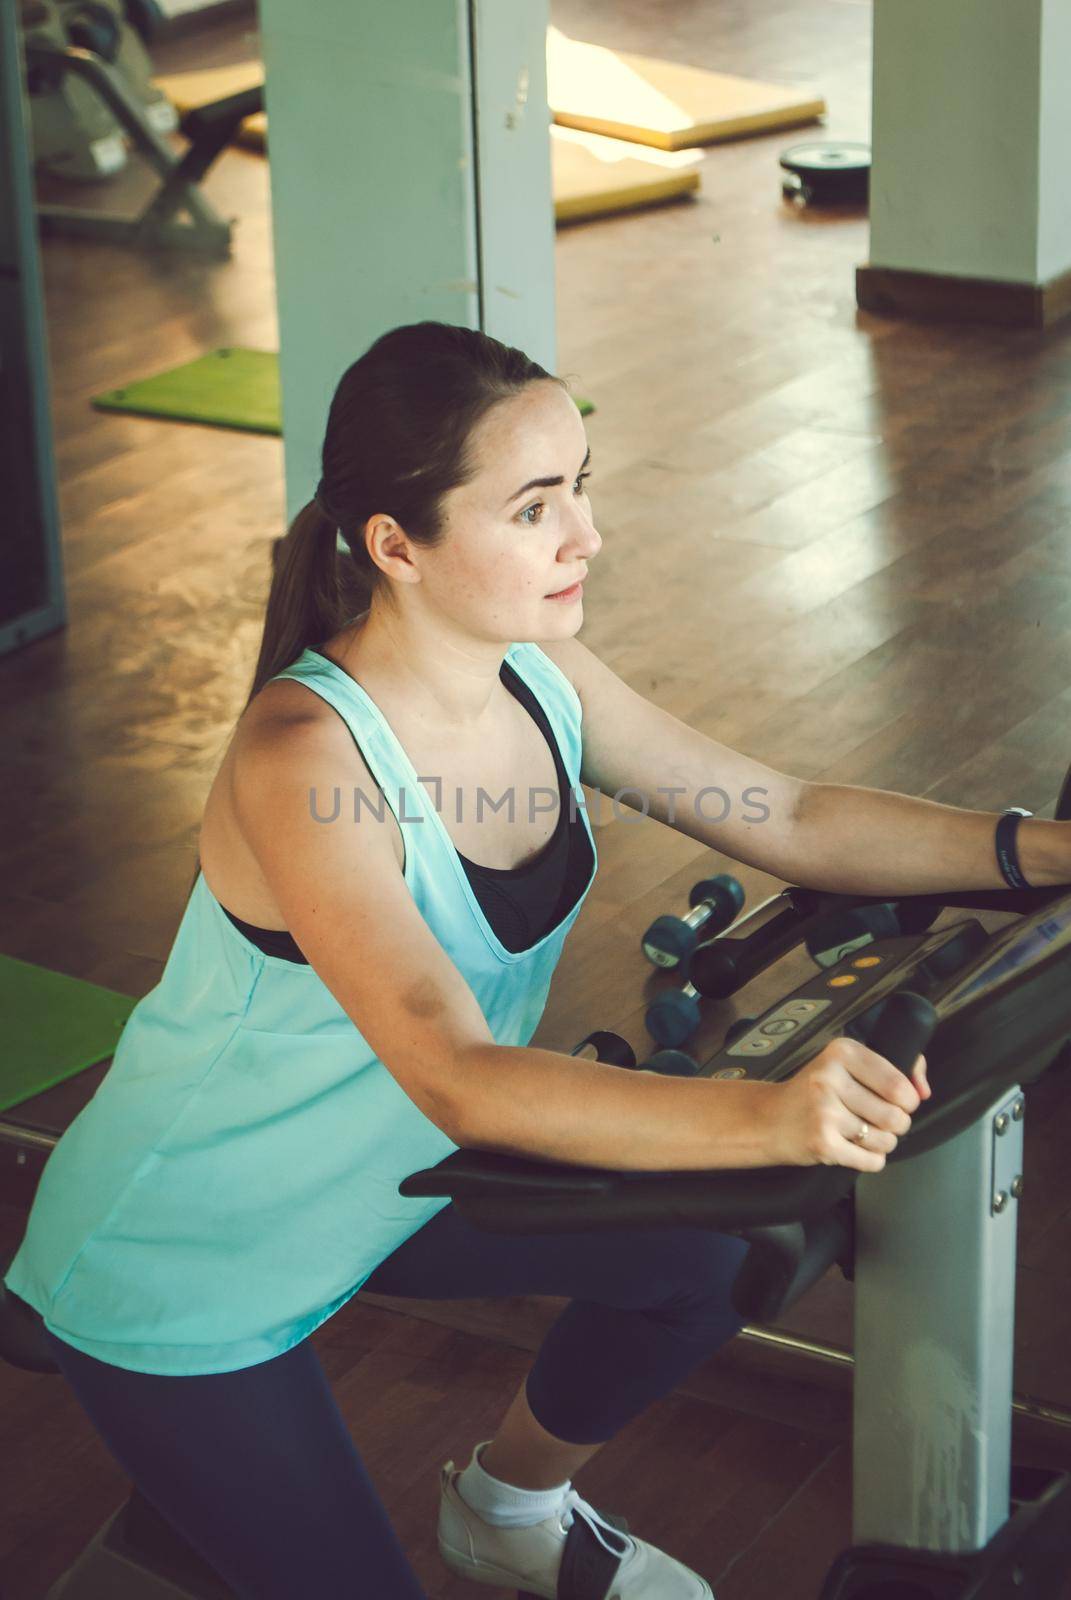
column 838, row 542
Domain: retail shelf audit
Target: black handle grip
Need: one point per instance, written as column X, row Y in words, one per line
column 724, row 964
column 904, row 1029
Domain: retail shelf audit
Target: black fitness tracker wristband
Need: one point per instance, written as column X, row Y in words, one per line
column 1007, row 849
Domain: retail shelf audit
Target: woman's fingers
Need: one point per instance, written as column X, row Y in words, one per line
column 869, row 1107
column 920, row 1080
column 866, row 1157
column 876, row 1073
column 846, row 1086
column 886, row 1122
column 877, row 1138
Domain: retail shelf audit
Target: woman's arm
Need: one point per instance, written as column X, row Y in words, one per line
column 870, row 841
column 823, row 836
column 525, row 1101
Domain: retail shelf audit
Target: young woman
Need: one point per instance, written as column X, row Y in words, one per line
column 364, row 956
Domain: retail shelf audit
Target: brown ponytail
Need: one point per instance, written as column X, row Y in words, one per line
column 315, row 591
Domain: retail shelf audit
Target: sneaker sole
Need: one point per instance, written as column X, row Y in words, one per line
column 464, row 1567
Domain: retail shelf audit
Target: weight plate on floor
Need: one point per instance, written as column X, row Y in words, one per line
column 827, row 170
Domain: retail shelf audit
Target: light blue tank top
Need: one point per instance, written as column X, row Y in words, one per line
column 234, row 1180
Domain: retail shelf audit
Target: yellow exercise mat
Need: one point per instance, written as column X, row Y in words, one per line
column 186, row 90
column 660, row 103
column 590, row 174
column 591, row 88
column 593, row 176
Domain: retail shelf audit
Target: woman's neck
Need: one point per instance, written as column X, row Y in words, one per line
column 448, row 690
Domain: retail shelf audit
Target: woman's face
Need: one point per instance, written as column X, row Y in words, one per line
column 510, row 544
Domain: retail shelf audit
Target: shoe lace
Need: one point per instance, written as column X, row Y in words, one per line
column 573, row 1505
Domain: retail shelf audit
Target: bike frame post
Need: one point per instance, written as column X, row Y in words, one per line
column 934, row 1337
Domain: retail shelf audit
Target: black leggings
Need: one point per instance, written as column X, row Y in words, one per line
column 257, row 1469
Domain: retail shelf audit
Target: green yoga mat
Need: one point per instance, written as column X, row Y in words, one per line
column 227, row 389
column 53, row 1027
column 231, row 388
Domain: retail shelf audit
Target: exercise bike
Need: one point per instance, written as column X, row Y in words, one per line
column 930, row 1242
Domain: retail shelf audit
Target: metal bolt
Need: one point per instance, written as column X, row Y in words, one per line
column 1017, row 1111
column 1000, row 1200
column 1017, row 1185
column 1000, row 1122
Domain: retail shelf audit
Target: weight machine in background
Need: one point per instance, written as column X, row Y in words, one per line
column 38, row 126
column 32, row 600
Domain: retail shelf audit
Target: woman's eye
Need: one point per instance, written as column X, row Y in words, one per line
column 538, row 504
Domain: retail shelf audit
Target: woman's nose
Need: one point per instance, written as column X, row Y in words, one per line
column 586, row 540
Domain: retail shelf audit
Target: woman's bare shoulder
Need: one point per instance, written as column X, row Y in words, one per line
column 285, row 718
column 287, row 722
column 281, row 702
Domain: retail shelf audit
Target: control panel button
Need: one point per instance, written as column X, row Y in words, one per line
column 780, row 1024
column 802, row 1008
column 753, row 1045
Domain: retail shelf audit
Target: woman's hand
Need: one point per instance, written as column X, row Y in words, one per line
column 826, row 1103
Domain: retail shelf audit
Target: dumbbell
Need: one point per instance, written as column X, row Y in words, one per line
column 715, row 904
column 608, row 1047
column 617, row 1052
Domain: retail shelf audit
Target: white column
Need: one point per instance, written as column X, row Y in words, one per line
column 409, row 147
column 971, row 134
column 1054, row 194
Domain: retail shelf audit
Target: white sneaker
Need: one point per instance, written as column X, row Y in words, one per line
column 575, row 1554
